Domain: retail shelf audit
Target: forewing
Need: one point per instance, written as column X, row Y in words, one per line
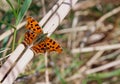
column 33, row 31
column 33, row 25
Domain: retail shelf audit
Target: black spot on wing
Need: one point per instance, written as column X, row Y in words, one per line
column 32, row 20
column 50, row 40
column 53, row 43
column 36, row 25
column 57, row 47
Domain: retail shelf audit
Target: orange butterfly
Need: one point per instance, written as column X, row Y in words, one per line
column 42, row 42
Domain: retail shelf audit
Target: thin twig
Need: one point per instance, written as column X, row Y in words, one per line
column 4, row 57
column 96, row 48
column 74, row 34
column 43, row 5
column 104, row 67
column 69, row 30
column 107, row 15
column 4, row 50
column 8, row 45
column 46, row 71
column 109, row 56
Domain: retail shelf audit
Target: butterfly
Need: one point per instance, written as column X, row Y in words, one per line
column 41, row 43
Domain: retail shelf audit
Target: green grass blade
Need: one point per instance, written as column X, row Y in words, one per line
column 19, row 4
column 14, row 38
column 107, row 74
column 87, row 80
column 13, row 9
column 100, row 76
column 19, row 18
column 23, row 10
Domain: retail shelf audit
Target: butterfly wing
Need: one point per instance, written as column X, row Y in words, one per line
column 33, row 25
column 33, row 31
column 39, row 48
column 47, row 45
column 29, row 37
column 52, row 45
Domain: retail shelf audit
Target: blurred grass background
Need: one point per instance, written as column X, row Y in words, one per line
column 67, row 67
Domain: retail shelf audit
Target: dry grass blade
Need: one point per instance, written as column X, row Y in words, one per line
column 4, row 50
column 109, row 14
column 96, row 48
column 46, row 72
column 76, row 29
column 104, row 67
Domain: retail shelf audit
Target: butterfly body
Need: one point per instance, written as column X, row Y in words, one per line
column 41, row 38
column 41, row 43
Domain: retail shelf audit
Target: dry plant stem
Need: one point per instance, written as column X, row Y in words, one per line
column 87, row 34
column 109, row 56
column 50, row 13
column 59, row 15
column 69, row 30
column 8, row 45
column 91, row 61
column 84, row 39
column 74, row 24
column 10, row 61
column 46, row 71
column 107, row 15
column 19, row 67
column 85, row 67
column 5, row 57
column 69, row 42
column 96, row 48
column 79, row 29
column 40, row 83
column 94, row 58
column 9, row 32
column 4, row 50
column 84, row 4
column 104, row 67
column 43, row 5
